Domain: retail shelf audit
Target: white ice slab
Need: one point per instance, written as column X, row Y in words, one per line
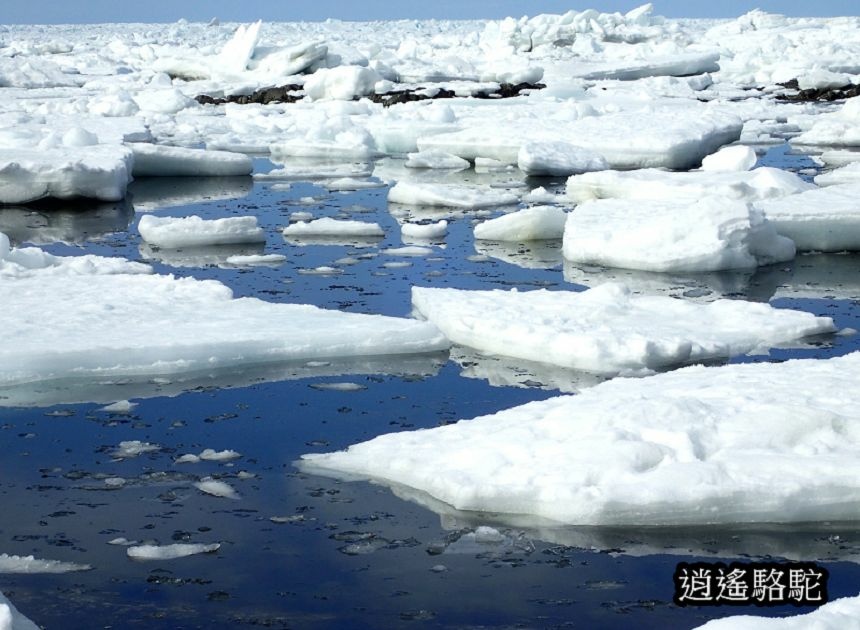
column 163, row 161
column 450, row 195
column 81, row 324
column 194, row 231
column 170, row 552
column 734, row 158
column 824, row 219
column 839, row 614
column 11, row 619
column 342, row 83
column 761, row 183
column 760, row 442
column 333, row 227
column 97, row 172
column 838, row 129
column 848, row 174
column 673, row 235
column 558, row 159
column 608, row 329
column 529, row 224
column 678, row 65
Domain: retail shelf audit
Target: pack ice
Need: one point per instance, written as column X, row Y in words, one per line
column 607, row 329
column 747, row 443
column 677, row 235
column 179, row 325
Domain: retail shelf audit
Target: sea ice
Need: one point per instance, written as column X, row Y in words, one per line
column 435, row 159
column 450, row 195
column 838, row 129
column 607, row 329
column 558, row 159
column 29, row 564
column 839, row 614
column 848, row 174
column 761, row 183
column 152, row 160
column 342, row 83
column 83, row 328
column 11, row 619
column 734, row 158
column 822, row 219
column 673, row 235
column 216, row 488
column 194, row 231
column 746, row 443
column 97, row 172
column 529, row 224
column 169, row 552
column 426, row 231
column 333, row 227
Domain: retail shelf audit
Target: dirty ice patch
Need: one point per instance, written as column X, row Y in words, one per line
column 529, row 224
column 822, row 219
column 151, row 160
column 82, row 329
column 194, row 231
column 840, row 614
column 673, row 235
column 450, row 196
column 607, row 329
column 95, row 172
column 761, row 183
column 744, row 443
column 170, row 552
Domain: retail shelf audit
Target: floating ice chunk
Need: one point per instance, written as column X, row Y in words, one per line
column 211, row 455
column 216, row 488
column 101, row 295
column 29, row 564
column 848, row 174
column 426, row 231
column 133, row 448
column 840, row 128
column 761, row 183
column 435, row 159
column 342, row 83
column 97, row 172
column 607, row 329
column 823, row 219
column 169, row 552
column 313, row 172
column 188, row 458
column 839, row 614
column 681, row 448
column 333, row 227
column 734, row 158
column 346, row 184
column 11, row 619
column 194, row 231
column 450, row 195
column 558, row 159
column 121, row 406
column 409, row 250
column 252, row 260
column 530, row 224
column 673, row 235
column 163, row 161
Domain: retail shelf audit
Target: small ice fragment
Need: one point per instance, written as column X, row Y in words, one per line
column 216, row 488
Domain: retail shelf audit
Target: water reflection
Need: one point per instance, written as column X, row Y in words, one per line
column 67, row 223
column 152, row 193
column 86, row 389
column 528, row 255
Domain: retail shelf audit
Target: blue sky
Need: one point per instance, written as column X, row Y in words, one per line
column 88, row 11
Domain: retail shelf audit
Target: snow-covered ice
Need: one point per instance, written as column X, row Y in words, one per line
column 760, row 442
column 607, row 329
column 822, row 219
column 712, row 234
column 194, row 231
column 530, row 224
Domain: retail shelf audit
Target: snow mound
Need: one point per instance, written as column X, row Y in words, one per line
column 673, row 235
column 530, row 224
column 760, row 442
column 607, row 329
column 194, row 231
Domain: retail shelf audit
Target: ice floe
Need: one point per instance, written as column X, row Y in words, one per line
column 607, row 329
column 558, row 159
column 216, row 488
column 536, row 223
column 29, row 564
column 194, row 231
column 152, row 160
column 334, row 228
column 169, row 552
column 673, row 235
column 699, row 445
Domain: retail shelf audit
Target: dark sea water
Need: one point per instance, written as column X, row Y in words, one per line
column 347, row 554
